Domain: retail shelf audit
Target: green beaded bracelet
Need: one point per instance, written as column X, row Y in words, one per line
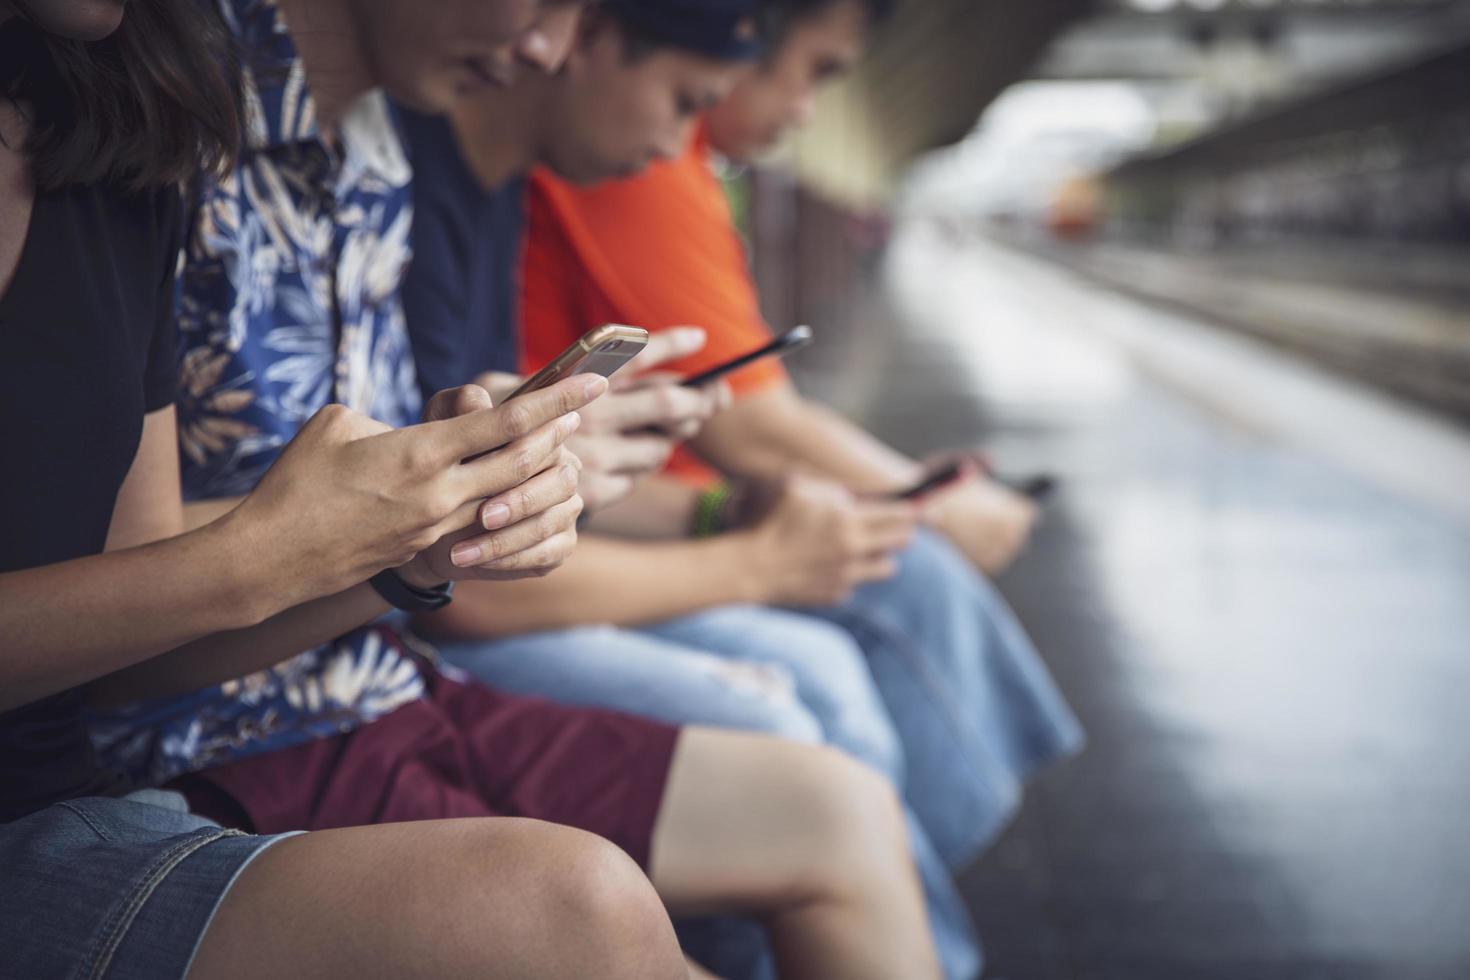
column 709, row 511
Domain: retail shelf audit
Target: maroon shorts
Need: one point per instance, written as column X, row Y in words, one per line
column 465, row 750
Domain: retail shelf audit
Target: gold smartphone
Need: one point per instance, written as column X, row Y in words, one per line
column 601, row 351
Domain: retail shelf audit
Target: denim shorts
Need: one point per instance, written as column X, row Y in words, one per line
column 115, row 888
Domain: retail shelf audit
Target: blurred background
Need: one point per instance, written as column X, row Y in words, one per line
column 1208, row 261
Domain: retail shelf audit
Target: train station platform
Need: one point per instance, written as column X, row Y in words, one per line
column 1393, row 314
column 1255, row 588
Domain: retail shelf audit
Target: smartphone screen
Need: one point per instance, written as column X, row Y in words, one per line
column 792, row 340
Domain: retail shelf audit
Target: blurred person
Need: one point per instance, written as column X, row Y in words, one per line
column 974, row 706
column 630, row 93
column 289, row 309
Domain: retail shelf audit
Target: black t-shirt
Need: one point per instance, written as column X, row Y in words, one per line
column 87, row 348
column 461, row 291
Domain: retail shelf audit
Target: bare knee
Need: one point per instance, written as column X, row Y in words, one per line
column 500, row 897
column 599, row 909
column 854, row 823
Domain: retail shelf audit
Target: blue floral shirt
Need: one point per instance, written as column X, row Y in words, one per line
column 289, row 300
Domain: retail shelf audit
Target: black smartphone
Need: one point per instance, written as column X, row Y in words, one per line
column 935, row 481
column 793, row 339
column 1038, row 488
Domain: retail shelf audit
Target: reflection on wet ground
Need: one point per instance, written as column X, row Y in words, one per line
column 1271, row 653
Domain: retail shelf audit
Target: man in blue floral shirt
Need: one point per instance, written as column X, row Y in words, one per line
column 290, row 301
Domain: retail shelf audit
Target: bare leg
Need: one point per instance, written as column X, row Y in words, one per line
column 499, row 898
column 806, row 839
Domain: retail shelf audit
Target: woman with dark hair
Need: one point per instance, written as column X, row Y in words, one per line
column 105, row 108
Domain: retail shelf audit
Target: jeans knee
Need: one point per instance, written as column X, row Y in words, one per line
column 874, row 741
column 789, row 721
column 761, row 698
column 837, row 684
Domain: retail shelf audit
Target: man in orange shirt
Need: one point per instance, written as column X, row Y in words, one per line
column 975, row 707
column 661, row 250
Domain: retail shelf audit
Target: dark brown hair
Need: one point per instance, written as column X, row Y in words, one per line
column 154, row 104
column 778, row 16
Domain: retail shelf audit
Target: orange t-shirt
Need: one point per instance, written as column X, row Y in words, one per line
column 655, row 251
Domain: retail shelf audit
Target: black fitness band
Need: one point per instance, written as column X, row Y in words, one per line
column 400, row 595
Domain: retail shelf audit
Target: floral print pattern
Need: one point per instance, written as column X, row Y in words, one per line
column 289, row 300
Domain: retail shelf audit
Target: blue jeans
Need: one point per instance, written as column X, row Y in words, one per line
column 740, row 667
column 974, row 706
column 119, row 887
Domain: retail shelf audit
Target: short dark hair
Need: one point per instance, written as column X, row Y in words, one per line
column 639, row 41
column 778, row 16
column 154, row 104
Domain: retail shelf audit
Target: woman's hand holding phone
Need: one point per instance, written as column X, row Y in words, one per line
column 529, row 530
column 812, row 542
column 350, row 496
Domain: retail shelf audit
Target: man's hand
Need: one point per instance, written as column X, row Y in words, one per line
column 813, row 541
column 629, row 433
column 989, row 522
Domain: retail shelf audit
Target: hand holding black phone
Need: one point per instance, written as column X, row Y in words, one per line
column 1038, row 487
column 946, row 475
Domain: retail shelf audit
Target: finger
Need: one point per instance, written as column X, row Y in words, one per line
column 555, row 484
column 494, row 473
column 661, row 406
column 658, row 377
column 891, row 530
column 623, row 454
column 493, row 547
column 670, row 345
column 874, row 570
column 685, row 431
column 972, row 463
column 601, row 490
column 462, row 523
column 878, row 515
column 453, row 402
column 480, row 432
column 498, row 383
column 722, row 396
column 888, row 543
column 543, row 557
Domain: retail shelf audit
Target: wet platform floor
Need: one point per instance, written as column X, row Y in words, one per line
column 1271, row 651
